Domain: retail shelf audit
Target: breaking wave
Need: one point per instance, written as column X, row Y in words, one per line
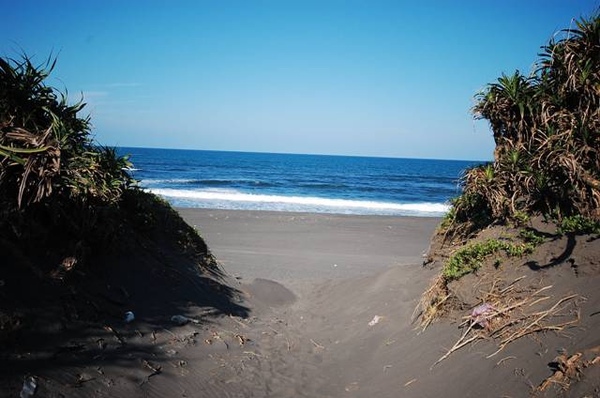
column 236, row 200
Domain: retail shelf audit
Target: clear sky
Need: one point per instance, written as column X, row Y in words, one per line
column 374, row 78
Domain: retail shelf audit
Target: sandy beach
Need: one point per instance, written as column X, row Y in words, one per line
column 333, row 295
column 312, row 305
column 304, row 248
column 332, row 301
column 287, row 199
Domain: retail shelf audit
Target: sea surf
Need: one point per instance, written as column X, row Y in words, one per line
column 298, row 183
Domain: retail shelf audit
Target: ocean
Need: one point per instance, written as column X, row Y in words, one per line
column 298, row 183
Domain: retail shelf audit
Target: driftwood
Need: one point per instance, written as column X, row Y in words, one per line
column 504, row 319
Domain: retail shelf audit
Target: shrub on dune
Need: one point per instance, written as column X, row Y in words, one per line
column 56, row 184
column 546, row 127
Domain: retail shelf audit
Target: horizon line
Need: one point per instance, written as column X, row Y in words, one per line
column 303, row 154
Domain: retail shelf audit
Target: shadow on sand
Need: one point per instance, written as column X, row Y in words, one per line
column 72, row 330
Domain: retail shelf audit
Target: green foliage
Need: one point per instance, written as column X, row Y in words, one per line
column 578, row 224
column 151, row 216
column 448, row 219
column 546, row 127
column 57, row 188
column 137, row 204
column 46, row 147
column 470, row 258
column 520, row 217
column 532, row 237
column 469, row 212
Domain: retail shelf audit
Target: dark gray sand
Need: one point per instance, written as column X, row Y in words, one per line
column 326, row 310
column 293, row 248
column 334, row 299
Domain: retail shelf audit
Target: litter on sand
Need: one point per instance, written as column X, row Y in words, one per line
column 129, row 317
column 181, row 320
column 482, row 313
column 29, row 387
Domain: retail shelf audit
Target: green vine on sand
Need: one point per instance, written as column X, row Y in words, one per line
column 578, row 224
column 470, row 258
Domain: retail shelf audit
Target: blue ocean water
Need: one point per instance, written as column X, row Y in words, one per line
column 301, row 183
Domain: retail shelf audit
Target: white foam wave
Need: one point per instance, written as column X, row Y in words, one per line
column 231, row 199
column 157, row 181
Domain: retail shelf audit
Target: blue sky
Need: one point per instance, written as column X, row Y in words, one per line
column 374, row 78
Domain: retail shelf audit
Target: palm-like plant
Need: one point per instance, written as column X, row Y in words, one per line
column 547, row 133
column 52, row 175
column 45, row 145
column 507, row 106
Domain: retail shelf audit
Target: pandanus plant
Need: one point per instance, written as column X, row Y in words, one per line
column 547, row 133
column 54, row 180
column 31, row 157
column 45, row 147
